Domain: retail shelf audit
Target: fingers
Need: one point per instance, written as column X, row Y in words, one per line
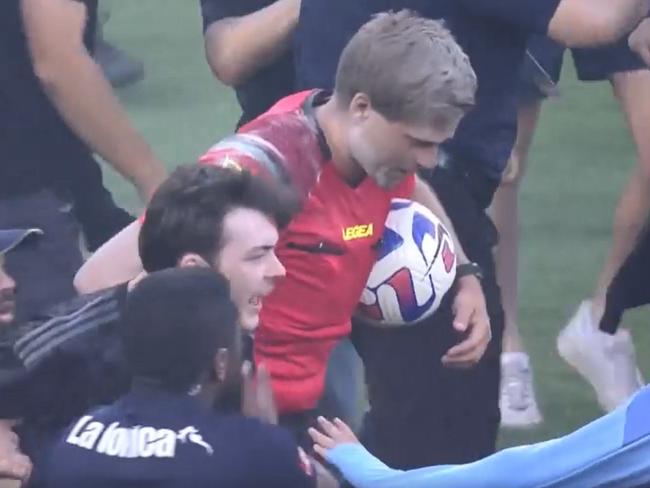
column 470, row 351
column 343, row 427
column 15, row 466
column 322, row 452
column 462, row 316
column 264, row 395
column 321, row 439
column 258, row 400
column 328, row 427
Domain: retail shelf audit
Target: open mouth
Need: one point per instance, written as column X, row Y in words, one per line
column 7, row 307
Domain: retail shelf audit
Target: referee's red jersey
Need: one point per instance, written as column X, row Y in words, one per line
column 328, row 249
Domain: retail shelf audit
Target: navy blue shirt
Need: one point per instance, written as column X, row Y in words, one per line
column 35, row 142
column 155, row 438
column 493, row 33
column 270, row 83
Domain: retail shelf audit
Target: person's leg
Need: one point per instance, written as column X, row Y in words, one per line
column 632, row 90
column 538, row 80
column 517, row 397
column 607, row 360
column 630, row 286
column 343, row 385
column 119, row 67
column 505, row 214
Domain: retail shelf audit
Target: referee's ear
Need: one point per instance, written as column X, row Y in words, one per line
column 221, row 364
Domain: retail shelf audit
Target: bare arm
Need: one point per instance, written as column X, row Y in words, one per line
column 237, row 47
column 84, row 98
column 469, row 307
column 117, row 261
column 424, row 195
column 583, row 23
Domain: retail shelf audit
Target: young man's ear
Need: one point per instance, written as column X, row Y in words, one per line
column 221, row 362
column 192, row 259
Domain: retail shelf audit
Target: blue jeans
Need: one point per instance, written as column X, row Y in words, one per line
column 343, row 395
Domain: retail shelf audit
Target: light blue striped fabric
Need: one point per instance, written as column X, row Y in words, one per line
column 612, row 451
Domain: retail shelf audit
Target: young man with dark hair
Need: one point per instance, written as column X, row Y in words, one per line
column 346, row 155
column 182, row 344
column 72, row 359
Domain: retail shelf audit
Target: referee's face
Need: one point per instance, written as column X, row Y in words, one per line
column 247, row 258
column 389, row 151
column 7, row 295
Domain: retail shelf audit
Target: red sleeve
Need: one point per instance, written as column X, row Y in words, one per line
column 233, row 159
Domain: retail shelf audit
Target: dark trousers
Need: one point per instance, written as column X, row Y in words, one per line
column 421, row 412
column 45, row 271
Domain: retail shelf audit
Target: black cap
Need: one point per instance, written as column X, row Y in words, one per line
column 10, row 238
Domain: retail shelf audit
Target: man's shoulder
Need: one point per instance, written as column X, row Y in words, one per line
column 282, row 143
column 62, row 324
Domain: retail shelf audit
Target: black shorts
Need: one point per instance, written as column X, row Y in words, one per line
column 421, row 412
column 544, row 62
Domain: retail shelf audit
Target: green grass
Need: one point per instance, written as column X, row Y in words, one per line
column 580, row 159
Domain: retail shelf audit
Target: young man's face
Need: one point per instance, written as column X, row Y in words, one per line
column 247, row 258
column 7, row 295
column 389, row 151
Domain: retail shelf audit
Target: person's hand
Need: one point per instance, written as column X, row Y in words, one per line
column 330, row 435
column 470, row 317
column 639, row 41
column 511, row 173
column 257, row 394
column 14, row 465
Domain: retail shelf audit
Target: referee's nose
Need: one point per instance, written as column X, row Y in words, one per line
column 426, row 157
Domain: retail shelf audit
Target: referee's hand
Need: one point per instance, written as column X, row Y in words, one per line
column 471, row 318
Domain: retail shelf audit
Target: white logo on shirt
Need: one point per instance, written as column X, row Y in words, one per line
column 132, row 442
column 190, row 434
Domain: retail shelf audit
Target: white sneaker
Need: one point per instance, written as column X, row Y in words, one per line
column 606, row 361
column 517, row 396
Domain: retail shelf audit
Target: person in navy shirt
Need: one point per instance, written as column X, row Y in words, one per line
column 248, row 47
column 183, row 345
column 423, row 413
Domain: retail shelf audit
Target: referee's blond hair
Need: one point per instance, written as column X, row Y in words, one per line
column 411, row 68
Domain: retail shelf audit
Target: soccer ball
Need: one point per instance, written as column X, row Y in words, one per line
column 415, row 267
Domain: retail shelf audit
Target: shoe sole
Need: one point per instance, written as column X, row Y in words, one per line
column 522, row 424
